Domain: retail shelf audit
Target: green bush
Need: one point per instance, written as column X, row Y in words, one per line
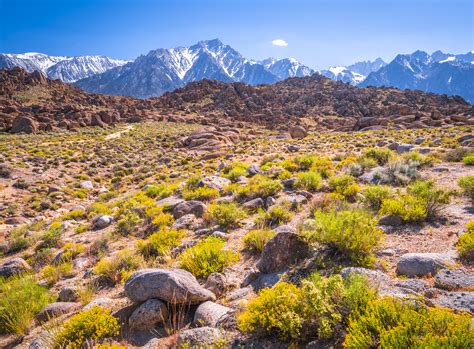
column 257, row 186
column 465, row 245
column 160, row 243
column 87, row 326
column 255, row 240
column 421, row 160
column 394, row 323
column 206, row 257
column 21, row 298
column 226, row 214
column 119, row 266
column 200, row 193
column 468, row 160
column 276, row 215
column 313, row 311
column 467, row 185
column 54, row 273
column 51, row 236
column 235, row 170
column 310, row 181
column 434, row 199
column 375, row 194
column 399, row 173
column 353, row 234
column 381, row 155
column 407, row 207
column 345, row 186
column 160, row 191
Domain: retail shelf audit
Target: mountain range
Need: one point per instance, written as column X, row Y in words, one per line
column 68, row 69
column 164, row 70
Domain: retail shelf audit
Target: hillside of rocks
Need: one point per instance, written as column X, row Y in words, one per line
column 319, row 102
column 29, row 102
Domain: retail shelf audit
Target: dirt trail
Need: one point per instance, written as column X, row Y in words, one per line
column 119, row 133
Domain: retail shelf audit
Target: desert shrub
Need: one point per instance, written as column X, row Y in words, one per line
column 98, row 209
column 313, row 311
column 226, row 214
column 155, row 216
column 18, row 239
column 407, row 207
column 119, row 266
column 345, row 186
column 128, row 222
column 434, row 199
column 160, row 243
column 352, row 233
column 255, row 240
column 381, row 155
column 328, row 202
column 421, row 160
column 456, row 155
column 235, row 170
column 56, row 272
column 206, row 257
column 375, row 194
column 310, row 181
column 394, row 323
column 51, row 236
column 314, row 163
column 467, row 185
column 468, row 160
column 77, row 214
column 21, row 298
column 87, row 326
column 160, row 191
column 258, row 186
column 465, row 245
column 399, row 173
column 276, row 215
column 201, row 193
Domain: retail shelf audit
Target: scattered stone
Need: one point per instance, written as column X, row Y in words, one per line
column 216, row 283
column 68, row 294
column 102, row 222
column 416, row 286
column 440, row 169
column 148, row 315
column 454, row 279
column 87, row 185
column 56, row 309
column 23, row 124
column 14, row 266
column 298, row 132
column 103, row 302
column 388, row 252
column 403, row 148
column 174, row 286
column 293, row 148
column 194, row 207
column 270, row 201
column 458, row 301
column 391, row 220
column 420, row 264
column 254, row 204
column 295, row 200
column 209, row 313
column 283, row 250
column 188, row 221
column 215, row 182
column 253, row 169
column 199, row 337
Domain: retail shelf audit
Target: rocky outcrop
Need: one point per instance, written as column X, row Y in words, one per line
column 14, row 266
column 174, row 286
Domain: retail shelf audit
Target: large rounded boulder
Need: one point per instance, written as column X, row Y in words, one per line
column 175, row 286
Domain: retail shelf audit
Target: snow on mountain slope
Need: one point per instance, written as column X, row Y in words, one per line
column 164, row 70
column 286, row 68
column 68, row 69
column 353, row 74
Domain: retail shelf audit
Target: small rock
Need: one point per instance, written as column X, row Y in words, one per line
column 270, row 201
column 199, row 337
column 403, row 148
column 281, row 251
column 298, row 132
column 102, row 222
column 148, row 314
column 254, row 204
column 216, row 283
column 215, row 182
column 420, row 264
column 170, row 202
column 253, row 169
column 185, row 222
column 209, row 313
column 391, row 220
column 194, row 207
column 56, row 309
column 14, row 266
column 458, row 301
column 87, row 185
column 68, row 294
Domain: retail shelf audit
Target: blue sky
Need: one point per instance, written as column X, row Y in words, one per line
column 318, row 33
